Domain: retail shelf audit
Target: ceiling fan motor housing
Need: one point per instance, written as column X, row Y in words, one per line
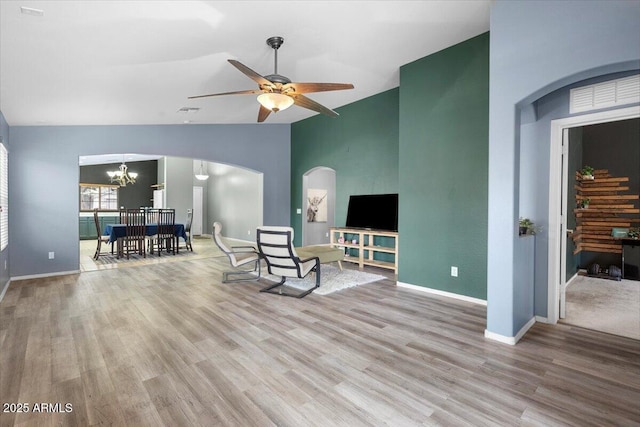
column 275, row 42
column 277, row 78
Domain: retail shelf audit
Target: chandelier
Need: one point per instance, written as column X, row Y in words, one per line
column 122, row 177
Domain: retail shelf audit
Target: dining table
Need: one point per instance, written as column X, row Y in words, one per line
column 116, row 231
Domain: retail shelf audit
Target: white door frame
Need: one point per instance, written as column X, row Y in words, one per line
column 555, row 190
column 562, row 285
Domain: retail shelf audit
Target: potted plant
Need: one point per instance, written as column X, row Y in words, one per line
column 587, row 172
column 526, row 226
column 584, row 203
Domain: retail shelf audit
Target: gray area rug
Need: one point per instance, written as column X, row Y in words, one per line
column 605, row 305
column 331, row 279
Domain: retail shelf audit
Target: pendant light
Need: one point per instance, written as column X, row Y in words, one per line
column 202, row 176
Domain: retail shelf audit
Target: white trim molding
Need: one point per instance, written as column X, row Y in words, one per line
column 541, row 319
column 4, row 290
column 442, row 293
column 571, row 281
column 510, row 340
column 555, row 182
column 44, row 275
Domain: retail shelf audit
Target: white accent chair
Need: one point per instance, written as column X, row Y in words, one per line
column 275, row 245
column 238, row 257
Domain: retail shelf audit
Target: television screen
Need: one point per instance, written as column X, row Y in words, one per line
column 373, row 211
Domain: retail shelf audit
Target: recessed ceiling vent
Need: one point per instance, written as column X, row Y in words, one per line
column 31, row 11
column 605, row 95
column 188, row 110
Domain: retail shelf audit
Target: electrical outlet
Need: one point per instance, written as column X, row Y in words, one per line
column 327, row 235
column 454, row 271
column 299, row 211
column 52, row 255
column 248, row 232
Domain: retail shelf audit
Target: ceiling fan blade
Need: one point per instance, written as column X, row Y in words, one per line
column 263, row 114
column 238, row 92
column 316, row 87
column 303, row 101
column 251, row 74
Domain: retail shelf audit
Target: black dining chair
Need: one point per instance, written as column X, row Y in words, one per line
column 135, row 232
column 165, row 236
column 101, row 239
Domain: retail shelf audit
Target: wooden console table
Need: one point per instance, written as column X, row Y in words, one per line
column 367, row 241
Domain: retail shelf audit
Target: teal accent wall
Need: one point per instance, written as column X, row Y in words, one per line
column 361, row 145
column 443, row 169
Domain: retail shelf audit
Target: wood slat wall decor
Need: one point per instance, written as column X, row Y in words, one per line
column 608, row 208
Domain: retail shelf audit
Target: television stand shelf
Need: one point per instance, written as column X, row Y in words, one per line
column 366, row 242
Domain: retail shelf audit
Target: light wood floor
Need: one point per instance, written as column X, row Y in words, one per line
column 203, row 247
column 169, row 344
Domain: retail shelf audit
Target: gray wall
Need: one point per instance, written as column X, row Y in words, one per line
column 41, row 152
column 235, row 199
column 178, row 188
column 524, row 68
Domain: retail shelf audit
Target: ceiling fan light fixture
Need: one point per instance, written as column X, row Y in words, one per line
column 275, row 101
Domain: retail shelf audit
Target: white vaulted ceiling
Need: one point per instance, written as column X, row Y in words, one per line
column 136, row 62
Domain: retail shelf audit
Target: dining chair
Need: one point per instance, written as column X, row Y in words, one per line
column 187, row 230
column 101, row 239
column 165, row 236
column 151, row 215
column 135, row 231
column 239, row 257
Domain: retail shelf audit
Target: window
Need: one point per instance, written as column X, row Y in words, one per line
column 4, row 197
column 98, row 196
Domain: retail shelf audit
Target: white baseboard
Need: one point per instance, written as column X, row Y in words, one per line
column 41, row 276
column 4, row 290
column 542, row 319
column 570, row 281
column 442, row 293
column 510, row 340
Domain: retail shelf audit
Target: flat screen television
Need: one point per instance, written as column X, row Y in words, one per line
column 373, row 211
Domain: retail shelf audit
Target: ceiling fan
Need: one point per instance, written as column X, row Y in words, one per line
column 277, row 92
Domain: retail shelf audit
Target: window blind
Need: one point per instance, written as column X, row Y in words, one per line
column 4, row 197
